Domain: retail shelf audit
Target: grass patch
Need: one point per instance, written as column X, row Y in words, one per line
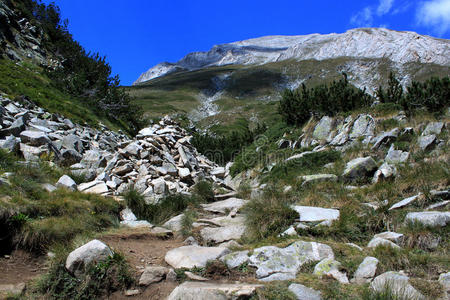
column 268, row 215
column 98, row 281
column 275, row 291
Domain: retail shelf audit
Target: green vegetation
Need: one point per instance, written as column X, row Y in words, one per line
column 275, row 291
column 224, row 146
column 432, row 94
column 170, row 205
column 299, row 105
column 306, row 165
column 268, row 215
column 99, row 280
column 34, row 219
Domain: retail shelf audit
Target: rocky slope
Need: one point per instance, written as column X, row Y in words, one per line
column 366, row 43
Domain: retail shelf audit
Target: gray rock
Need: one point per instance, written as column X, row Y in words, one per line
column 99, row 188
column 398, row 284
column 385, row 138
column 396, row 156
column 390, row 236
column 235, row 259
column 49, row 187
column 218, row 172
column 190, row 290
column 271, row 261
column 132, row 150
column 427, row 142
column 330, row 267
column 10, row 143
column 359, row 168
column 184, row 173
column 444, row 280
column 404, row 202
column 193, row 256
column 72, row 142
column 366, row 271
column 91, row 253
column 304, row 293
column 174, row 223
column 15, row 128
column 230, row 229
column 385, row 171
column 67, row 182
column 308, row 179
column 315, row 214
column 34, row 138
column 159, row 186
column 70, row 157
column 323, row 128
column 127, row 215
column 429, row 218
column 152, row 275
column 376, row 241
column 122, row 170
column 224, row 206
column 363, row 126
column 433, row 128
column 289, row 232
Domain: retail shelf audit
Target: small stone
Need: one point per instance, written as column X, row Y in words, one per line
column 93, row 252
column 304, row 293
column 152, row 275
column 195, row 277
column 330, row 267
column 375, row 242
column 366, row 271
column 67, row 182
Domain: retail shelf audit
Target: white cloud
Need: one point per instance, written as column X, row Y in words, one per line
column 434, row 14
column 363, row 18
column 384, row 7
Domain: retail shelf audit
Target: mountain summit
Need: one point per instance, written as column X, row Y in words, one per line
column 399, row 47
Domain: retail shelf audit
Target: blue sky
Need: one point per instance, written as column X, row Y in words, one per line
column 138, row 34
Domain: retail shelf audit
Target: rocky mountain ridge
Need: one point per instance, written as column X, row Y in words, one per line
column 364, row 43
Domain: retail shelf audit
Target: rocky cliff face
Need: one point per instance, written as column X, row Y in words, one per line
column 400, row 48
column 19, row 39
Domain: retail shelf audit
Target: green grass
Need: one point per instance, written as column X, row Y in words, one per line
column 98, row 281
column 29, row 80
column 275, row 291
column 36, row 219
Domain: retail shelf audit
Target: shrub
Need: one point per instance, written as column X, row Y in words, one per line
column 276, row 291
column 99, row 281
column 161, row 211
column 204, row 191
column 296, row 107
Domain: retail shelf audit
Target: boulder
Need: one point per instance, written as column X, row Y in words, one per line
column 193, row 256
column 427, row 142
column 136, row 224
column 152, row 274
column 235, row 259
column 404, row 202
column 10, row 143
column 330, row 267
column 91, row 253
column 390, row 236
column 304, row 293
column 385, row 171
column 385, row 138
column 376, row 241
column 360, row 168
column 127, row 215
column 323, row 128
column 70, row 157
column 174, row 223
column 190, row 290
column 366, row 271
column 233, row 229
column 159, row 186
column 99, row 188
column 433, row 128
column 67, row 182
column 231, row 204
column 315, row 214
column 398, row 284
column 308, row 179
column 429, row 218
column 275, row 263
column 396, row 156
column 34, row 138
column 363, row 126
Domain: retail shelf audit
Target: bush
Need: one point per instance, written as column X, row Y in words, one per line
column 204, row 191
column 432, row 94
column 99, row 281
column 161, row 211
column 275, row 291
column 296, row 107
